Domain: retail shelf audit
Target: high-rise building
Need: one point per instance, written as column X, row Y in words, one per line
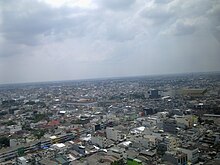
column 154, row 94
column 170, row 126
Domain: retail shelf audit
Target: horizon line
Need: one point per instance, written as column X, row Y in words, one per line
column 102, row 78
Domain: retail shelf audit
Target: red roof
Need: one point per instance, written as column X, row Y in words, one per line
column 53, row 123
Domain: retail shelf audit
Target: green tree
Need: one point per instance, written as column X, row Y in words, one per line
column 4, row 142
column 38, row 133
column 10, row 122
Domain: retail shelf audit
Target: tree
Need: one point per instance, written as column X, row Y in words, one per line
column 39, row 117
column 10, row 122
column 4, row 142
column 38, row 133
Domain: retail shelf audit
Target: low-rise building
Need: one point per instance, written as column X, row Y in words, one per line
column 131, row 161
column 22, row 161
column 14, row 128
column 114, row 134
column 101, row 141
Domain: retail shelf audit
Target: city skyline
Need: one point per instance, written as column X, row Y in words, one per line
column 49, row 40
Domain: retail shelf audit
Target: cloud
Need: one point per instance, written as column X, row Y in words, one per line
column 157, row 13
column 181, row 28
column 29, row 26
column 84, row 38
column 213, row 15
column 115, row 4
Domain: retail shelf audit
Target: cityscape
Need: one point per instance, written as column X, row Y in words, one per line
column 148, row 120
column 109, row 82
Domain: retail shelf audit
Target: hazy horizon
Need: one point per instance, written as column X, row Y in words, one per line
column 55, row 40
column 112, row 78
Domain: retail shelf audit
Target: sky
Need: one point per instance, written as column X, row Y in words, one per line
column 47, row 40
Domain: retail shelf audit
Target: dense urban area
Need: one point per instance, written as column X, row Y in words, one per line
column 152, row 120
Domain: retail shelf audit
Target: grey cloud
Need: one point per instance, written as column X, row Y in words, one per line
column 216, row 33
column 182, row 28
column 28, row 26
column 214, row 16
column 9, row 49
column 162, row 1
column 116, row 4
column 35, row 23
column 117, row 37
column 120, row 32
column 158, row 14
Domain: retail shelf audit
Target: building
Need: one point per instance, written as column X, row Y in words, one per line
column 62, row 138
column 131, row 161
column 170, row 142
column 170, row 126
column 78, row 148
column 14, row 128
column 193, row 92
column 118, row 152
column 192, row 153
column 101, row 141
column 22, row 161
column 60, row 147
column 60, row 160
column 176, row 158
column 14, row 142
column 210, row 139
column 139, row 141
column 215, row 118
column 114, row 134
column 162, row 148
column 167, row 144
column 154, row 94
column 21, row 150
column 185, row 121
column 177, row 112
column 149, row 156
column 149, row 111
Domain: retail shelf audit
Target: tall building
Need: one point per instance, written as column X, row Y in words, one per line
column 176, row 158
column 192, row 153
column 154, row 94
column 170, row 126
column 99, row 140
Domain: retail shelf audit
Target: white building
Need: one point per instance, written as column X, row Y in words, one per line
column 60, row 147
column 192, row 153
column 139, row 140
column 162, row 115
column 151, row 139
column 114, row 134
column 14, row 128
column 99, row 140
column 22, row 161
column 118, row 152
column 14, row 142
